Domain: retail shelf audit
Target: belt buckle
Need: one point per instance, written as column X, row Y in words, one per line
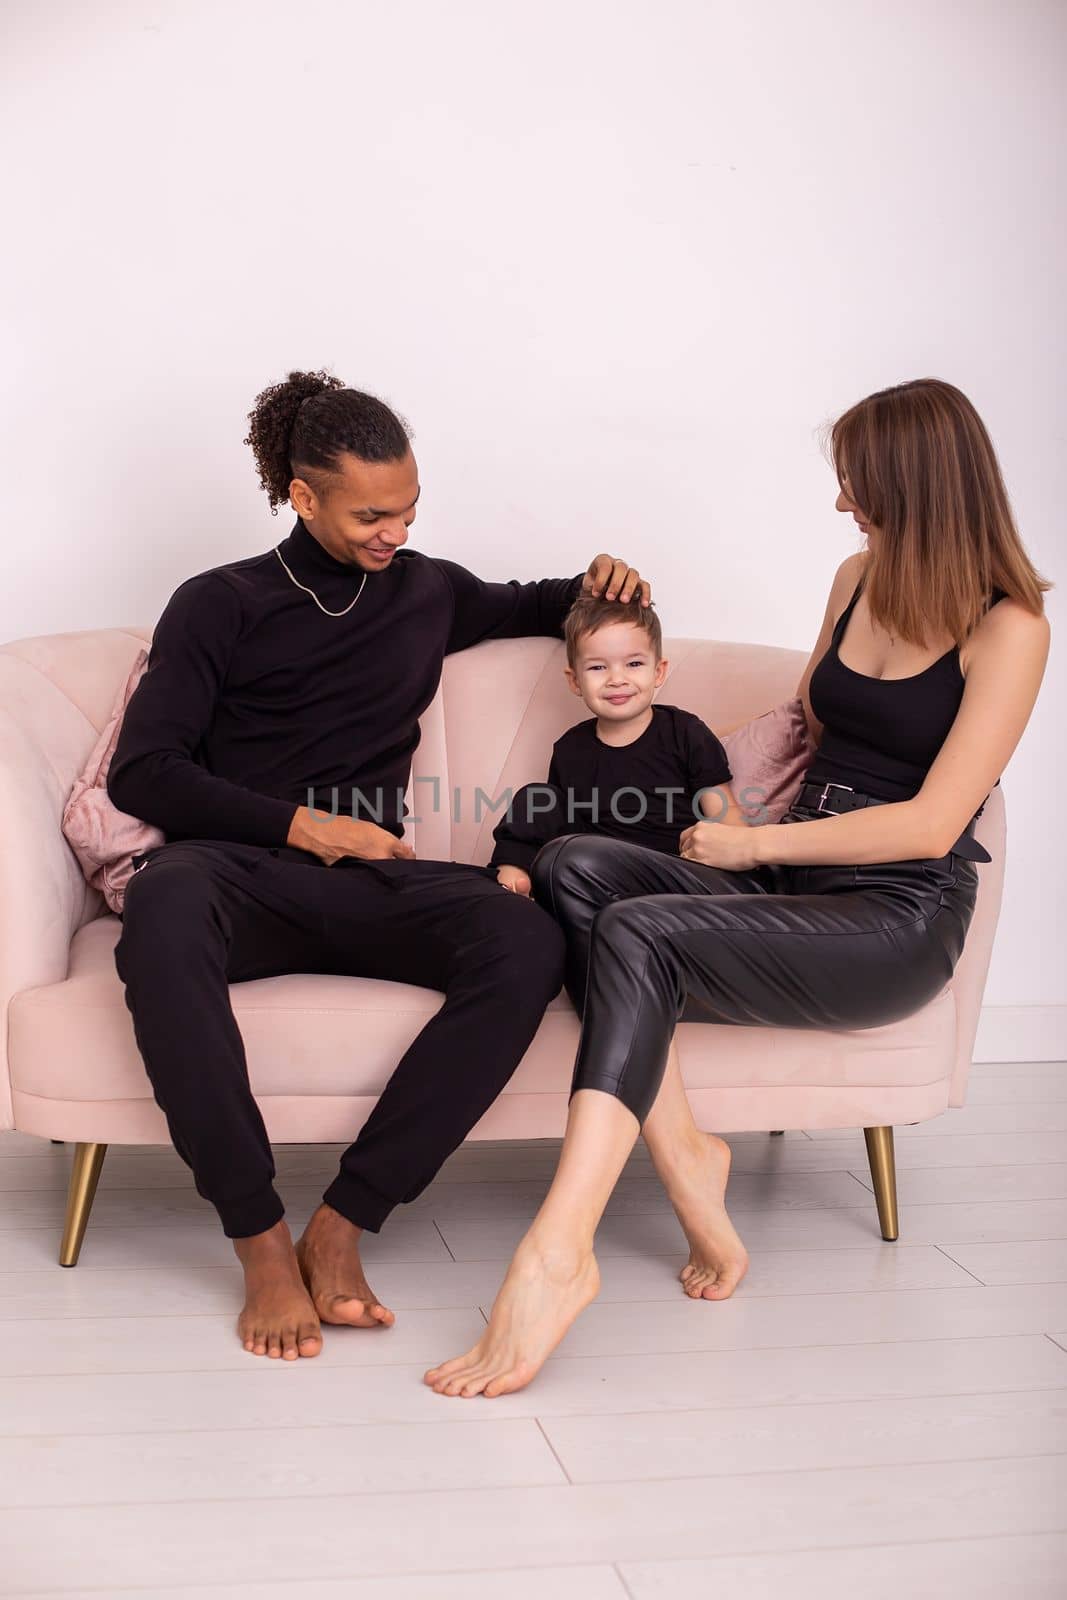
column 822, row 806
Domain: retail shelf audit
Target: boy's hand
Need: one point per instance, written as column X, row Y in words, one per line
column 719, row 805
column 514, row 880
column 613, row 578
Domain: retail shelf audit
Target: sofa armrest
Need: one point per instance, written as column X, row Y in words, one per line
column 45, row 898
column 968, row 980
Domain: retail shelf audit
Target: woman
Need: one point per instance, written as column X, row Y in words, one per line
column 921, row 682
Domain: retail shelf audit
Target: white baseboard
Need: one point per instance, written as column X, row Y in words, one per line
column 1022, row 1033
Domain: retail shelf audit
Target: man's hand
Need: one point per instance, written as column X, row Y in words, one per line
column 333, row 838
column 514, row 880
column 735, row 848
column 612, row 578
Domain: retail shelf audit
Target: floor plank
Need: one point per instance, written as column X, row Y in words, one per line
column 318, row 1393
column 270, row 1462
column 850, row 1227
column 561, row 1583
column 722, row 1443
column 1029, row 1566
column 209, row 1343
column 53, row 1293
column 248, row 1540
column 1028, row 1261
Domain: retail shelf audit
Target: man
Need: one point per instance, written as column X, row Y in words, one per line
column 271, row 738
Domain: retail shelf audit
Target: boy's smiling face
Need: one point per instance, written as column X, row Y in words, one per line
column 616, row 671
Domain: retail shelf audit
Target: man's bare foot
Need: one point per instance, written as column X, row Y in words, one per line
column 540, row 1297
column 278, row 1318
column 328, row 1255
column 696, row 1186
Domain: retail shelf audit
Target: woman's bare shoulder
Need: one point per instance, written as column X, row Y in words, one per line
column 1007, row 626
column 846, row 578
column 853, row 565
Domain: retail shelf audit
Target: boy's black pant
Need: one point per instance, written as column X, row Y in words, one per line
column 200, row 915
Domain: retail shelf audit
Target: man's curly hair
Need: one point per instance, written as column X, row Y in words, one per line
column 300, row 427
column 587, row 615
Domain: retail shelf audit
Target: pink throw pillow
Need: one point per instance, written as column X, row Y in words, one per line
column 103, row 838
column 768, row 758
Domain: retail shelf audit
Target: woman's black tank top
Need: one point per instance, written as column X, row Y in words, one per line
column 882, row 735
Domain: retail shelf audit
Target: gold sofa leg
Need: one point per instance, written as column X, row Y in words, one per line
column 884, row 1174
column 88, row 1159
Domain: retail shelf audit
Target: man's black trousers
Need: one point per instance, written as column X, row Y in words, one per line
column 203, row 914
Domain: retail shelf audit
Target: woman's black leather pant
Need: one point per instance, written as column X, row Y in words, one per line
column 653, row 940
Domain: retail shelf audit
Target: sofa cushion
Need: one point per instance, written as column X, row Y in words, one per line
column 103, row 838
column 322, row 1035
column 768, row 757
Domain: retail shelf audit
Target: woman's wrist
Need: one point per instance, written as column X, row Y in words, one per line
column 763, row 842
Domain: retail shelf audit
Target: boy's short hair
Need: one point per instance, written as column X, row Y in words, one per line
column 587, row 615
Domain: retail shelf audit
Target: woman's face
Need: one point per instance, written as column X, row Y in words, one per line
column 845, row 502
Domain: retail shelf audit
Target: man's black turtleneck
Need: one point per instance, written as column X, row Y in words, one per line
column 253, row 699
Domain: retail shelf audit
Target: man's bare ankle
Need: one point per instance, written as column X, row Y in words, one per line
column 324, row 1216
column 272, row 1241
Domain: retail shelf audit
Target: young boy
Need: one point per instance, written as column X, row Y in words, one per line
column 635, row 769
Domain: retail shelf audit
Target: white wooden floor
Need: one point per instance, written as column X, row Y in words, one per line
column 861, row 1419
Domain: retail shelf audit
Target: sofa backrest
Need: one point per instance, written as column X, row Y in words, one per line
column 503, row 705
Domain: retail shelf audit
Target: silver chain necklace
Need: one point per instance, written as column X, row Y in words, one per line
column 314, row 596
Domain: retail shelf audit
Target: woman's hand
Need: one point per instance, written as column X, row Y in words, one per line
column 612, row 578
column 514, row 880
column 715, row 844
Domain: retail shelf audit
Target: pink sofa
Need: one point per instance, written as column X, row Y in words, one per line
column 319, row 1047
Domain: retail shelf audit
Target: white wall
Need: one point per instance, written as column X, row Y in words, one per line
column 616, row 262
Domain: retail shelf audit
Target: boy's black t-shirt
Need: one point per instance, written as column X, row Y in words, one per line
column 644, row 792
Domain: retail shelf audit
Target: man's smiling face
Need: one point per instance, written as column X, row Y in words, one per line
column 361, row 511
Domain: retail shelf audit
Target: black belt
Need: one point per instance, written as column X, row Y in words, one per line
column 817, row 797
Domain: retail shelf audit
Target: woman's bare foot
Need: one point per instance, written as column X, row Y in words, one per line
column 696, row 1186
column 278, row 1318
column 328, row 1255
column 542, row 1294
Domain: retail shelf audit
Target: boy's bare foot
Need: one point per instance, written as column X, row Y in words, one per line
column 696, row 1186
column 328, row 1255
column 278, row 1318
column 541, row 1296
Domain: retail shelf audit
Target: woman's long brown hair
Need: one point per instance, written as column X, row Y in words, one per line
column 922, row 470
